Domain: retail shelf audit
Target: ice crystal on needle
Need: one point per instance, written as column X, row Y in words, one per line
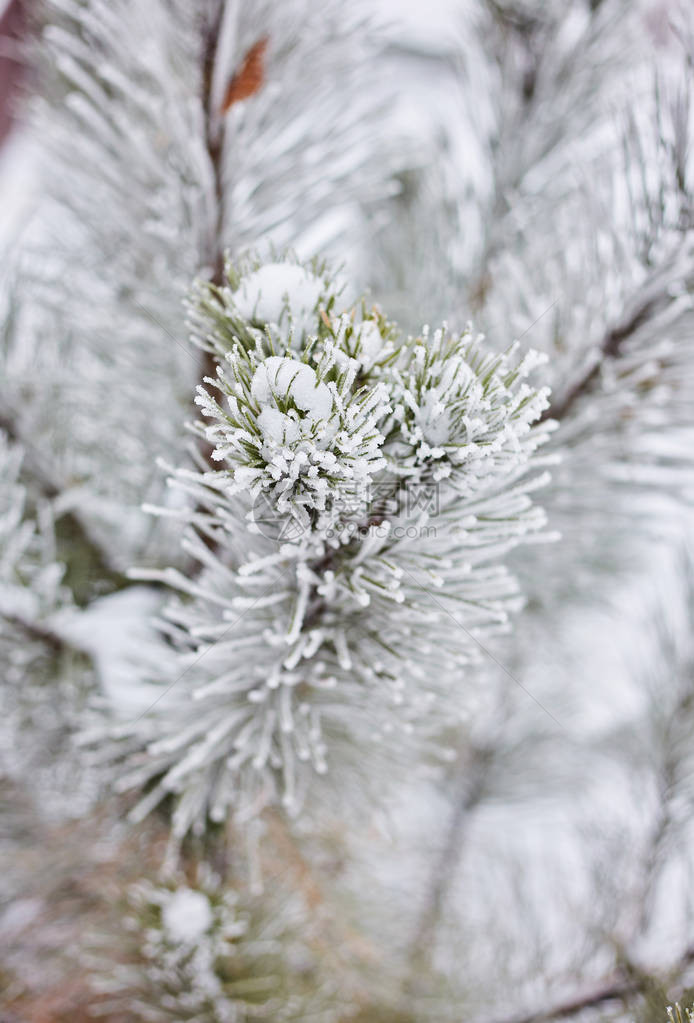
column 365, row 487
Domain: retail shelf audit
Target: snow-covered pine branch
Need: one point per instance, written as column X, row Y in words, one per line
column 44, row 681
column 30, row 574
column 203, row 952
column 350, row 544
column 676, row 1014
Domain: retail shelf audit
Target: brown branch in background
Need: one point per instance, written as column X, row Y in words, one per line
column 244, row 83
column 629, row 983
column 610, row 348
column 214, row 141
column 609, row 991
column 38, row 631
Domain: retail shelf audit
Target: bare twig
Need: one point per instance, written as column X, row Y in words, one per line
column 609, row 348
column 39, row 631
column 623, row 984
column 470, row 790
column 214, row 141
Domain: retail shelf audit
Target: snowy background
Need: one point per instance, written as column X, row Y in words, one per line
column 531, row 873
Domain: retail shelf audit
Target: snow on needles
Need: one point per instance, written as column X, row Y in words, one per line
column 363, row 491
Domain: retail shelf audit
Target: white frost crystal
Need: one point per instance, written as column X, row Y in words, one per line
column 186, row 915
column 367, row 484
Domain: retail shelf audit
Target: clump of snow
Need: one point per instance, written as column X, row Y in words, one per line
column 119, row 634
column 284, row 377
column 275, row 382
column 278, row 428
column 282, row 295
column 186, row 915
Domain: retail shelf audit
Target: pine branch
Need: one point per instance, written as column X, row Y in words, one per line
column 331, row 578
column 99, row 557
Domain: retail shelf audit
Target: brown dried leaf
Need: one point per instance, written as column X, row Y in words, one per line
column 250, row 76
